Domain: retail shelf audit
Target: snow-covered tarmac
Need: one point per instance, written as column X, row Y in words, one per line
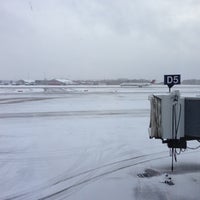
column 88, row 143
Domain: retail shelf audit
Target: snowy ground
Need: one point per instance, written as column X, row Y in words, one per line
column 88, row 144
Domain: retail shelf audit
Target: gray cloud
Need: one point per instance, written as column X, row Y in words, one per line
column 99, row 39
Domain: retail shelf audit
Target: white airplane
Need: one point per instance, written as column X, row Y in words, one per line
column 137, row 84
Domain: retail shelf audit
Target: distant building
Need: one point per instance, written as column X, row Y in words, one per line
column 65, row 81
column 5, row 82
column 29, row 82
column 24, row 82
column 20, row 82
column 55, row 82
column 60, row 82
column 191, row 82
column 41, row 82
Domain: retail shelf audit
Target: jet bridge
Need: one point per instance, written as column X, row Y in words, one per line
column 174, row 120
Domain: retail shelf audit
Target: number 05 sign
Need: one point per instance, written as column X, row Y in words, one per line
column 172, row 80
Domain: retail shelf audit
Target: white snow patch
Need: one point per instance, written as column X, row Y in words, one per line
column 88, row 146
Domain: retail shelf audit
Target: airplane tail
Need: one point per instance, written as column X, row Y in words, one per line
column 153, row 81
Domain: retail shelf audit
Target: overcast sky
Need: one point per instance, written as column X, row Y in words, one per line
column 100, row 39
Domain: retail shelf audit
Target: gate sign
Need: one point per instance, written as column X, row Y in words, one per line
column 171, row 80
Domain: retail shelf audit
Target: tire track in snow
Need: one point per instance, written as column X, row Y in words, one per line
column 59, row 186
